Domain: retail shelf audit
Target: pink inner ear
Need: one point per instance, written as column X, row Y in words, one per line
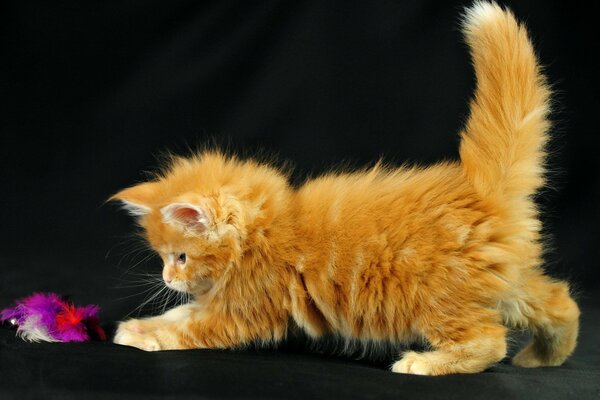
column 187, row 216
column 191, row 217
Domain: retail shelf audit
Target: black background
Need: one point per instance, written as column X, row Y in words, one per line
column 93, row 92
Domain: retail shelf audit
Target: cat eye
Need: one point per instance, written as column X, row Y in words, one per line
column 181, row 258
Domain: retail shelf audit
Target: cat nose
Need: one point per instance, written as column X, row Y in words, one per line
column 167, row 276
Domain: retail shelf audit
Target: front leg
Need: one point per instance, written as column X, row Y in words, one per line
column 141, row 333
column 191, row 327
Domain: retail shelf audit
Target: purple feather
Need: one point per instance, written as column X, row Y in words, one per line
column 49, row 317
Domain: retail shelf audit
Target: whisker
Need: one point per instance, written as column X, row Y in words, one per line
column 135, row 294
column 166, row 302
column 148, row 300
column 133, row 284
column 131, row 247
column 143, row 260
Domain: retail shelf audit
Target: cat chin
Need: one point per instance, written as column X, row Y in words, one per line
column 178, row 286
column 200, row 287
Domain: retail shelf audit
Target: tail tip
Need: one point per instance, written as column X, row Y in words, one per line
column 480, row 12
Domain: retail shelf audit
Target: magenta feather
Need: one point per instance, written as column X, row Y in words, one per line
column 50, row 317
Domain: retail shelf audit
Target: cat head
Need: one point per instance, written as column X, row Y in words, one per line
column 205, row 214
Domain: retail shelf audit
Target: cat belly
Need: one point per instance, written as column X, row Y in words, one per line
column 365, row 306
column 378, row 291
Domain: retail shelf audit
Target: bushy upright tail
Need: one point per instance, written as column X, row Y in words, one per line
column 502, row 147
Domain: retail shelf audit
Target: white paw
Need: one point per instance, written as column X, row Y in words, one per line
column 133, row 325
column 130, row 334
column 413, row 363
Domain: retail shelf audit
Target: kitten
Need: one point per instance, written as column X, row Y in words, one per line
column 448, row 254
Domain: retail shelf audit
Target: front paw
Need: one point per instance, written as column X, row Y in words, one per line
column 132, row 333
column 135, row 326
column 413, row 363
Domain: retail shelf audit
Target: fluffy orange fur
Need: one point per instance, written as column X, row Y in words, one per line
column 449, row 254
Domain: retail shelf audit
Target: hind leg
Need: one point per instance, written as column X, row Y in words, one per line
column 464, row 345
column 553, row 317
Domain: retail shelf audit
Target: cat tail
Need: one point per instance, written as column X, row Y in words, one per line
column 503, row 143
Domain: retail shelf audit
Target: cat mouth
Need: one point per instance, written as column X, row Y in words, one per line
column 200, row 287
column 178, row 286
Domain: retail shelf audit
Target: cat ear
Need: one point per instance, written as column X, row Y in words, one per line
column 136, row 200
column 189, row 216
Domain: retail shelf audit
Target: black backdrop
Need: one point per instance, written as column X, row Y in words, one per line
column 93, row 91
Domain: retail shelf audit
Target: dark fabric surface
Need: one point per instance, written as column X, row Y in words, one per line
column 105, row 370
column 93, row 92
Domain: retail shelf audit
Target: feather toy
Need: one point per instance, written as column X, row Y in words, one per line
column 49, row 317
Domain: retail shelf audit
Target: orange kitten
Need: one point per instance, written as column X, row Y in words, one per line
column 449, row 254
